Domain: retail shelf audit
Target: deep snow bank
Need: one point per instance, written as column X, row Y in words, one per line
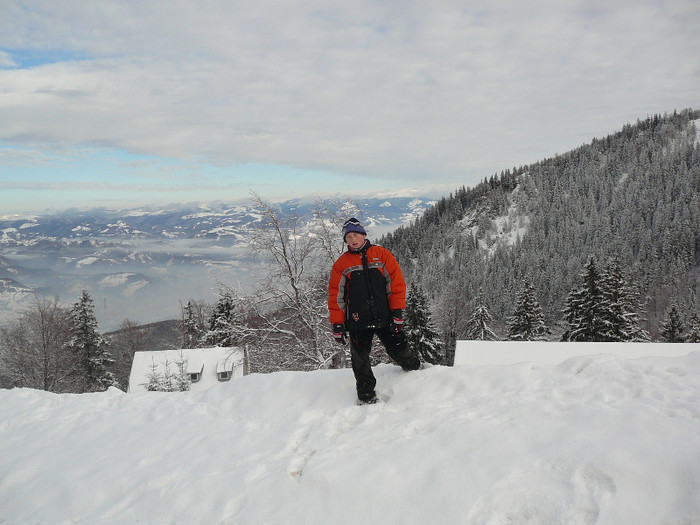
column 511, row 352
column 591, row 440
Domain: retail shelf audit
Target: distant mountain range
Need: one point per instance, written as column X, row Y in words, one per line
column 185, row 223
column 139, row 264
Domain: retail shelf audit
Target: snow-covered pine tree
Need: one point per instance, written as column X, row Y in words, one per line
column 191, row 325
column 182, row 378
column 694, row 326
column 169, row 380
column 420, row 331
column 672, row 327
column 620, row 308
column 154, row 380
column 224, row 322
column 527, row 323
column 585, row 308
column 477, row 325
column 90, row 348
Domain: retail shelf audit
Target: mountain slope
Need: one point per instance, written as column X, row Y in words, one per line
column 593, row 440
column 634, row 195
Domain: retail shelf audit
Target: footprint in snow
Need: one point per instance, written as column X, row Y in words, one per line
column 553, row 493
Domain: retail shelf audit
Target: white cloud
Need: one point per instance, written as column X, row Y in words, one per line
column 6, row 60
column 387, row 90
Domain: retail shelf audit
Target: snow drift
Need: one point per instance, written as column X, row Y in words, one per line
column 592, row 440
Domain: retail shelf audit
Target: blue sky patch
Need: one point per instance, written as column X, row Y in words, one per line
column 29, row 58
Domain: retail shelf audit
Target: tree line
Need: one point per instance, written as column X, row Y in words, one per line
column 55, row 348
column 60, row 349
column 604, row 306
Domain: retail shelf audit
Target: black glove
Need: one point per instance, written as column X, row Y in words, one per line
column 339, row 333
column 397, row 321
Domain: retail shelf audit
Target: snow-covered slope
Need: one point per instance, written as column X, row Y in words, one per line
column 593, row 440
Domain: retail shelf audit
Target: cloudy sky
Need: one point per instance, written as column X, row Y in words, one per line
column 122, row 103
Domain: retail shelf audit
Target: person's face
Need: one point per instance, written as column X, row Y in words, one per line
column 355, row 240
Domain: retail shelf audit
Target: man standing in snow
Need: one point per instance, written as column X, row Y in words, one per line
column 367, row 296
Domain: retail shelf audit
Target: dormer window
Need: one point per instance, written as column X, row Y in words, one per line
column 225, row 375
column 195, row 369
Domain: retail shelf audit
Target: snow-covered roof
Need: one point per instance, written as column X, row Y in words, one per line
column 510, row 352
column 211, row 365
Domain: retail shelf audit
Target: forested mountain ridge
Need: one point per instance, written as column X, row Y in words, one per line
column 633, row 195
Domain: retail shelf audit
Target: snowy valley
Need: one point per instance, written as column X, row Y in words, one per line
column 141, row 264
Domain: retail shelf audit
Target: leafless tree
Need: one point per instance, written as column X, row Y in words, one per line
column 34, row 349
column 130, row 339
column 328, row 218
column 287, row 313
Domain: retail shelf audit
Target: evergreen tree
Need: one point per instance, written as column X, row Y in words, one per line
column 527, row 323
column 154, row 380
column 90, row 348
column 224, row 323
column 477, row 325
column 620, row 308
column 191, row 325
column 694, row 335
column 167, row 380
column 420, row 331
column 182, row 378
column 585, row 308
column 672, row 327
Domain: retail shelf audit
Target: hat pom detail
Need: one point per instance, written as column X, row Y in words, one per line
column 353, row 225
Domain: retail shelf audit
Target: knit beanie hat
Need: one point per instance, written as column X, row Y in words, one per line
column 352, row 225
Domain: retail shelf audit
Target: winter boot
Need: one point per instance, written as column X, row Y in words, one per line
column 368, row 401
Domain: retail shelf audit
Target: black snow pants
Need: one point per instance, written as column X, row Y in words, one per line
column 396, row 346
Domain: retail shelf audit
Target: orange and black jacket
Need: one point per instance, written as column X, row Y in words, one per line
column 365, row 287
